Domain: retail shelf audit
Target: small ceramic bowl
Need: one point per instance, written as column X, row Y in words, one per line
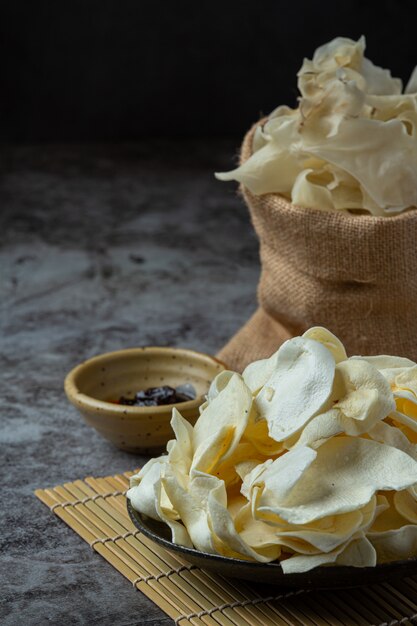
column 94, row 386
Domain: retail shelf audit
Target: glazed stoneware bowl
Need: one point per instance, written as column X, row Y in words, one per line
column 94, row 387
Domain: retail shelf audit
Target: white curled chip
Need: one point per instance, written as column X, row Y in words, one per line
column 352, row 122
column 221, row 425
column 319, row 429
column 325, row 534
column 389, row 366
column 281, row 475
column 392, row 436
column 142, row 486
column 361, row 397
column 218, row 384
column 406, row 505
column 191, row 505
column 259, row 172
column 385, row 361
column 358, row 552
column 257, row 373
column 181, row 448
column 365, row 396
column 203, row 510
column 395, row 544
column 329, row 341
column 298, row 388
column 344, row 476
column 407, row 380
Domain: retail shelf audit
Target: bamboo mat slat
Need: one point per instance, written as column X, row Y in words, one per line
column 95, row 508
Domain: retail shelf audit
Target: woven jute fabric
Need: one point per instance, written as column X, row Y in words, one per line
column 354, row 274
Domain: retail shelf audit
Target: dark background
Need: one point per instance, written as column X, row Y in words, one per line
column 88, row 70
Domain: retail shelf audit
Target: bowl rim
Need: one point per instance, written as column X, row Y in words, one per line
column 80, row 399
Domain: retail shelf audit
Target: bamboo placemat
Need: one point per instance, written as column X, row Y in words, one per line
column 96, row 509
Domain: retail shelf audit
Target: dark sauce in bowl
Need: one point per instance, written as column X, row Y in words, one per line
column 158, row 396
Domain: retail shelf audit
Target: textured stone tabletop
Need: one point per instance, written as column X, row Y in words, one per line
column 101, row 248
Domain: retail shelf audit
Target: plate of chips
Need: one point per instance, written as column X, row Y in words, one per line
column 302, row 470
column 271, row 573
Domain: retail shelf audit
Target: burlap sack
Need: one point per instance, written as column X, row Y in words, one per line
column 354, row 274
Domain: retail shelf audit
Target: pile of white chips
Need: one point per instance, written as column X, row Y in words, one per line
column 308, row 458
column 350, row 144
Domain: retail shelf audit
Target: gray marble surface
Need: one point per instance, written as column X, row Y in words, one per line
column 102, row 247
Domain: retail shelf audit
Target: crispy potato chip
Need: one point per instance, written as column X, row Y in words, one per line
column 224, row 529
column 318, row 430
column 203, row 510
column 306, row 193
column 384, row 362
column 367, row 149
column 299, row 386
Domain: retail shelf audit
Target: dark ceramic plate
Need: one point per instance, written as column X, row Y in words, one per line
column 318, row 578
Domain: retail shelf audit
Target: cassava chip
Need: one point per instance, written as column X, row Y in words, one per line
column 350, row 144
column 357, row 552
column 329, row 341
column 344, row 476
column 221, row 425
column 299, row 386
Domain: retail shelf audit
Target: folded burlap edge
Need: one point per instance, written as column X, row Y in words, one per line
column 263, row 333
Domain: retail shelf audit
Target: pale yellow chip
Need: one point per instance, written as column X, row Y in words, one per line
column 357, row 552
column 395, row 544
column 361, row 397
column 352, row 119
column 344, row 476
column 329, row 341
column 203, row 510
column 407, row 380
column 181, row 450
column 244, row 452
column 299, row 386
column 257, row 373
column 364, row 396
column 257, row 433
column 142, row 487
column 393, row 436
column 218, row 384
column 406, row 505
column 221, row 425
